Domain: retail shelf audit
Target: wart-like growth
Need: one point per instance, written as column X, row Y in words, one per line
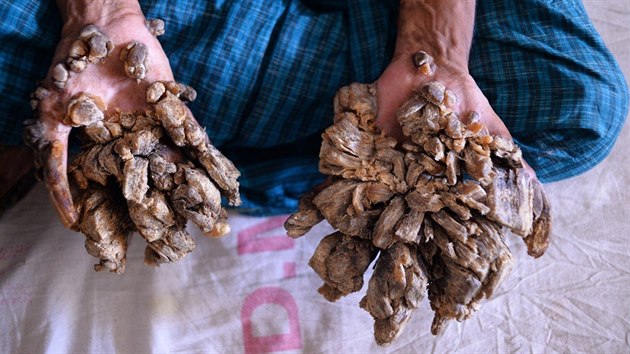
column 436, row 208
column 143, row 171
column 135, row 57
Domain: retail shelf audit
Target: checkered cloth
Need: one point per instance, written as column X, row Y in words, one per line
column 266, row 72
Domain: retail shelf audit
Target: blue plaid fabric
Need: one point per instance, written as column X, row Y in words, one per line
column 266, row 72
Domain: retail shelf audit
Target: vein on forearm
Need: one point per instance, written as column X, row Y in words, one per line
column 444, row 28
column 95, row 11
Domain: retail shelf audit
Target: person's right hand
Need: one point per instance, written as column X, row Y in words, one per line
column 122, row 23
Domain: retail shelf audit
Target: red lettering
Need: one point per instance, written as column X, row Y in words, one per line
column 289, row 270
column 250, row 240
column 275, row 342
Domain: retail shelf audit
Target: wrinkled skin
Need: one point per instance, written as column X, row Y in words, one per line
column 106, row 80
column 401, row 79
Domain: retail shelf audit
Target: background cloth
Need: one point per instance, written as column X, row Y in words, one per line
column 266, row 73
column 252, row 292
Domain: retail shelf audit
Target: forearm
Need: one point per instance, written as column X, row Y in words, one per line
column 443, row 28
column 78, row 13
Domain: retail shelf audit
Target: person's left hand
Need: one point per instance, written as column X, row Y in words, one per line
column 401, row 79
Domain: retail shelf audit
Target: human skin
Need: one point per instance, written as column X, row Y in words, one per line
column 122, row 21
column 443, row 29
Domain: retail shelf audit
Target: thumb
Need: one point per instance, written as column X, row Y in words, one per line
column 48, row 138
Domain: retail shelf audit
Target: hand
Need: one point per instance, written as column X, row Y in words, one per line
column 444, row 29
column 107, row 80
column 401, row 79
column 146, row 164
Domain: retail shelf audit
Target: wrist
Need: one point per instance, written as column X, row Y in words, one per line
column 78, row 14
column 442, row 28
column 443, row 55
column 444, row 65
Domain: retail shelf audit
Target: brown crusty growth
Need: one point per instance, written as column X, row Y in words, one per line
column 92, row 46
column 159, row 184
column 436, row 206
column 155, row 26
column 147, row 171
column 135, row 56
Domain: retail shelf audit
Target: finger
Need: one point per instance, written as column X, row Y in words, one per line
column 49, row 140
column 186, row 132
column 51, row 160
column 301, row 222
column 538, row 240
column 530, row 171
column 106, row 227
column 392, row 293
column 175, row 244
column 48, row 135
column 84, row 111
column 56, row 180
column 196, row 198
column 341, row 261
column 221, row 226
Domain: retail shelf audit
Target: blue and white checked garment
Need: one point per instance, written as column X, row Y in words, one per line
column 266, row 72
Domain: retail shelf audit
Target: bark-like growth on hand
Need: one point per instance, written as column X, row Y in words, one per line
column 92, row 46
column 148, row 170
column 162, row 185
column 155, row 26
column 135, row 57
column 437, row 206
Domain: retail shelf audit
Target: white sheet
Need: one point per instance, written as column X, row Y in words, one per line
column 252, row 290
